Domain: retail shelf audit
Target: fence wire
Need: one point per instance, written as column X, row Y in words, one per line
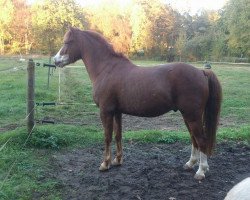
column 22, row 147
column 16, row 160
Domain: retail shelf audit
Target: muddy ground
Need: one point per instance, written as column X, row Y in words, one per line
column 150, row 171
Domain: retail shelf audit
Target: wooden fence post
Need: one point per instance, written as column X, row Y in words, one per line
column 30, row 96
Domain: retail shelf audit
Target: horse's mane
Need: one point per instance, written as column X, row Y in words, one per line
column 97, row 37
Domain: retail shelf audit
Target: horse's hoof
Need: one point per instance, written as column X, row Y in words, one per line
column 117, row 162
column 187, row 167
column 199, row 177
column 103, row 167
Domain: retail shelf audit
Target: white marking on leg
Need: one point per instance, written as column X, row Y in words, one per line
column 107, row 160
column 117, row 162
column 193, row 158
column 203, row 167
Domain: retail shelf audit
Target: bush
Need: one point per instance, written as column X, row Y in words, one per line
column 235, row 59
column 47, row 139
column 241, row 60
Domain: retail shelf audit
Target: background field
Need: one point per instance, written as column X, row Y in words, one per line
column 25, row 161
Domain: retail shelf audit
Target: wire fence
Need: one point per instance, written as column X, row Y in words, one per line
column 15, row 64
column 16, row 159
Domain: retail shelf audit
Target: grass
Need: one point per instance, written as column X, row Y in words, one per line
column 28, row 179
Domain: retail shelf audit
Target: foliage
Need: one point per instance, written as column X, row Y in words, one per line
column 20, row 28
column 6, row 14
column 47, row 140
column 139, row 25
column 112, row 21
column 50, row 25
column 135, row 28
column 181, row 43
column 236, row 16
column 158, row 26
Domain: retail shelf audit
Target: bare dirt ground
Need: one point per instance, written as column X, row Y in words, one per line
column 149, row 172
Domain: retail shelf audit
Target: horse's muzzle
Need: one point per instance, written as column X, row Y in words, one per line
column 61, row 61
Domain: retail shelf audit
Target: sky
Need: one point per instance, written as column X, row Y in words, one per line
column 190, row 6
column 194, row 6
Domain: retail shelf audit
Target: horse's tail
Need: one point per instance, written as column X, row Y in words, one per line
column 212, row 110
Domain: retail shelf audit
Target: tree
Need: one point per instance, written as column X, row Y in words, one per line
column 20, row 28
column 155, row 21
column 181, row 43
column 6, row 14
column 139, row 27
column 236, row 17
column 112, row 20
column 51, row 19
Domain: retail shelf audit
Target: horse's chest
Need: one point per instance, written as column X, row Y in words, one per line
column 102, row 94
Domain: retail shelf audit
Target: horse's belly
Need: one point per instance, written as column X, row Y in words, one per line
column 146, row 111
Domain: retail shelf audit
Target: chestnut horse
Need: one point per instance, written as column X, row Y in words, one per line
column 119, row 87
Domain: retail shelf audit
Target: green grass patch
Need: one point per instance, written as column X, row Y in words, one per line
column 236, row 134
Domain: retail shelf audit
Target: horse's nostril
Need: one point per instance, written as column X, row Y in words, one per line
column 56, row 62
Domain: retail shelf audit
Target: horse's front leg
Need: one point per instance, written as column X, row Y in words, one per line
column 107, row 122
column 118, row 138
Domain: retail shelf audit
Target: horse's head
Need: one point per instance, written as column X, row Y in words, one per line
column 70, row 51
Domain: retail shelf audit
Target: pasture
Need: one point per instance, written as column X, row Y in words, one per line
column 61, row 161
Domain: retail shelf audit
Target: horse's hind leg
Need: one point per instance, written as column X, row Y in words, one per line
column 118, row 139
column 194, row 157
column 203, row 167
column 196, row 131
column 107, row 122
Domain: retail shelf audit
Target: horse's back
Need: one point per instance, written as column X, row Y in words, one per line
column 152, row 91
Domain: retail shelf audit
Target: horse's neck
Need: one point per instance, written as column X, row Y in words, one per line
column 93, row 66
column 97, row 63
